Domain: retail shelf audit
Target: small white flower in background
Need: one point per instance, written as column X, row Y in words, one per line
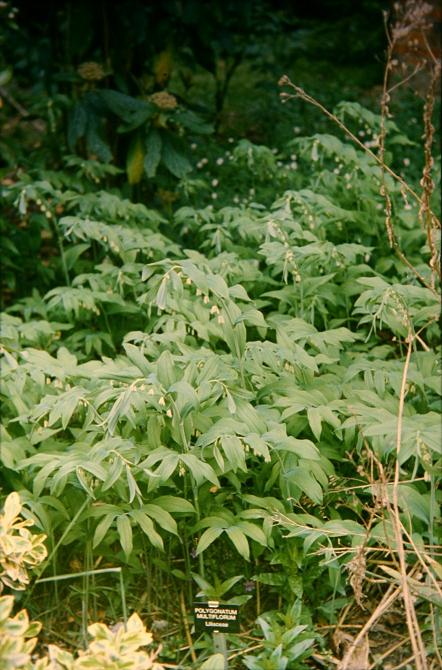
column 210, row 207
column 215, row 182
column 193, row 146
column 293, row 157
column 206, row 299
column 407, row 206
column 297, row 130
column 379, row 206
column 274, row 150
column 336, row 171
column 219, row 161
column 214, row 309
column 278, row 163
column 162, row 401
column 220, row 319
column 169, row 412
column 236, row 199
column 361, row 133
column 199, row 165
column 230, row 140
column 294, row 165
column 214, row 196
column 204, row 161
column 231, row 157
column 367, row 258
column 406, row 162
column 252, row 191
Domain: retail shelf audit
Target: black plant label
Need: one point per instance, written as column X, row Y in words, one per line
column 213, row 616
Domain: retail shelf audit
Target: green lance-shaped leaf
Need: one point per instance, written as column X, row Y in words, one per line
column 253, row 531
column 175, row 504
column 102, row 528
column 125, row 534
column 315, row 421
column 161, row 516
column 200, row 470
column 303, row 478
column 161, row 297
column 239, row 541
column 234, row 451
column 153, row 144
column 206, row 539
column 135, row 161
column 148, row 528
column 174, row 160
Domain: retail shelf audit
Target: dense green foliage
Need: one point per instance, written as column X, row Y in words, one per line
column 203, row 345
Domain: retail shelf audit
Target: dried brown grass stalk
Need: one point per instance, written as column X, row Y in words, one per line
column 388, row 653
column 425, row 215
column 413, row 24
column 387, row 601
column 417, row 644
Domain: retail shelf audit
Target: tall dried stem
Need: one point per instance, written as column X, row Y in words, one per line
column 410, row 612
column 412, row 18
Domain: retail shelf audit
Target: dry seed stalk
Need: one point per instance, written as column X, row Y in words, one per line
column 425, row 215
column 410, row 612
column 357, row 567
column 412, row 19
